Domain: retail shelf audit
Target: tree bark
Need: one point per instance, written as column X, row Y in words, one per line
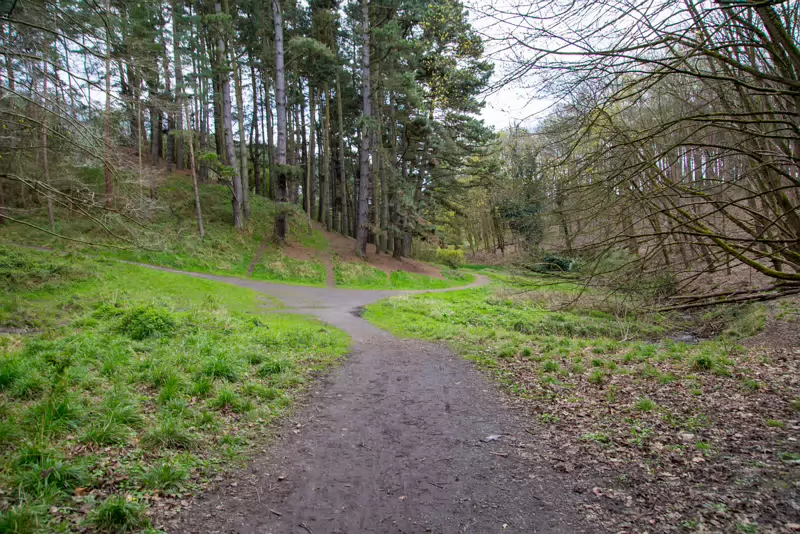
column 230, row 148
column 45, row 165
column 281, row 220
column 326, row 162
column 107, row 137
column 179, row 97
column 197, row 207
column 362, row 225
column 312, row 154
column 344, row 224
column 254, row 132
column 271, row 143
column 243, row 158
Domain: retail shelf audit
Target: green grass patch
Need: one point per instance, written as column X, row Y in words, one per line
column 134, row 369
column 168, row 236
column 275, row 266
column 360, row 275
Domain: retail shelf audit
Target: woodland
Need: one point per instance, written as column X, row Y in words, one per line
column 628, row 252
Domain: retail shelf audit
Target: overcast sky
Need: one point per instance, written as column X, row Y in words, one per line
column 511, row 106
column 508, row 105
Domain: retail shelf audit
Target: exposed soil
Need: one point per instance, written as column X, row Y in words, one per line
column 395, row 440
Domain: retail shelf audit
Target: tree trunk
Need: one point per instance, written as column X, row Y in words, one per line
column 328, row 212
column 362, row 230
column 281, row 220
column 179, row 97
column 198, row 209
column 230, row 148
column 170, row 129
column 304, row 149
column 155, row 134
column 243, row 158
column 255, row 132
column 312, row 150
column 2, row 204
column 45, row 165
column 344, row 224
column 107, row 137
column 271, row 148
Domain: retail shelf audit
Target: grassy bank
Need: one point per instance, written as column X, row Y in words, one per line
column 165, row 233
column 358, row 275
column 686, row 436
column 123, row 388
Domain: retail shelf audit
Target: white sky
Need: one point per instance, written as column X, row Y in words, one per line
column 509, row 105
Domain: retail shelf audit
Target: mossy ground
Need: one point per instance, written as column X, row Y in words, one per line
column 122, row 386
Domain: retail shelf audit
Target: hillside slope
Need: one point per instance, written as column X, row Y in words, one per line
column 164, row 232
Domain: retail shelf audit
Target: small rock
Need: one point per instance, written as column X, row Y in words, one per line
column 282, row 477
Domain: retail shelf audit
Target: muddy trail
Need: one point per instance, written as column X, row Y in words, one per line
column 404, row 437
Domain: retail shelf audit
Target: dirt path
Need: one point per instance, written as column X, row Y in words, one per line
column 392, row 441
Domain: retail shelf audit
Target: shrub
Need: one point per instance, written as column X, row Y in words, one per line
column 116, row 514
column 556, row 263
column 146, row 321
column 453, row 258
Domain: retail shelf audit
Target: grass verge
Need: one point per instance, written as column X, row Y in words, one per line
column 130, row 387
column 276, row 266
column 359, row 275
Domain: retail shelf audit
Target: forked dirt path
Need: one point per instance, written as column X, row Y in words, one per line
column 392, row 441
